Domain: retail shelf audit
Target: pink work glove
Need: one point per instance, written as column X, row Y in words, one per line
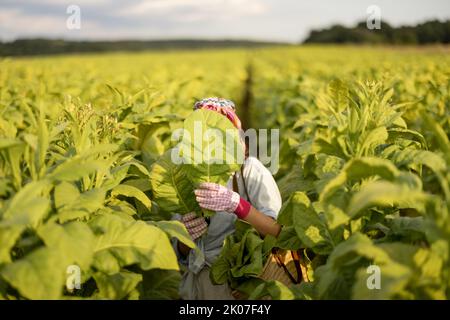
column 196, row 226
column 215, row 197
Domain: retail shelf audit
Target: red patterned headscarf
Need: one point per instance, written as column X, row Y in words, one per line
column 223, row 106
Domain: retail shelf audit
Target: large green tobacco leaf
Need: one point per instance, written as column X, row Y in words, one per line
column 357, row 169
column 394, row 278
column 396, row 133
column 39, row 275
column 220, row 269
column 74, row 241
column 8, row 237
column 335, row 278
column 65, row 193
column 160, row 284
column 404, row 270
column 386, row 194
column 249, row 260
column 210, row 148
column 409, row 157
column 409, row 229
column 439, row 135
column 242, row 257
column 201, row 156
column 432, row 266
column 412, row 273
column 75, row 169
column 293, row 181
column 310, row 228
column 172, row 190
column 132, row 192
column 288, row 239
column 304, row 290
column 175, row 229
column 122, row 242
column 72, row 204
column 275, row 289
column 29, row 206
column 332, row 144
column 296, row 204
column 313, row 231
column 369, row 140
column 151, row 141
column 339, row 93
column 116, row 286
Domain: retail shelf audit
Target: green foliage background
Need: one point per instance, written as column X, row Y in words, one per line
column 363, row 173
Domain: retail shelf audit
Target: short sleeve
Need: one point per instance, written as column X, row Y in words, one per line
column 262, row 189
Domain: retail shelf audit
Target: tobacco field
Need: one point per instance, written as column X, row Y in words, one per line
column 364, row 158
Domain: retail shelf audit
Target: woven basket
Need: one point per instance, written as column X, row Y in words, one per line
column 287, row 267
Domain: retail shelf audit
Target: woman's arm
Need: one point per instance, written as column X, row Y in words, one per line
column 262, row 223
column 263, row 193
column 218, row 198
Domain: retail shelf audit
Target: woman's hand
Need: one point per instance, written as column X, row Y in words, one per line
column 196, row 226
column 218, row 198
column 215, row 197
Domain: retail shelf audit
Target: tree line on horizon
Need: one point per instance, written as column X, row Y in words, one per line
column 430, row 32
column 41, row 46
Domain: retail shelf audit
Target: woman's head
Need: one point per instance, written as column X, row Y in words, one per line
column 226, row 108
column 221, row 105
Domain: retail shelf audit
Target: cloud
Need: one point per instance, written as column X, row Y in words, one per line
column 195, row 10
column 284, row 20
column 59, row 2
column 14, row 20
column 14, row 23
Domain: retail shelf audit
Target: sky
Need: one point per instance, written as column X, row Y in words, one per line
column 273, row 20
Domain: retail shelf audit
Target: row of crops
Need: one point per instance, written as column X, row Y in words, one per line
column 364, row 158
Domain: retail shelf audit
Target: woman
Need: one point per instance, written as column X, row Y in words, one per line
column 251, row 195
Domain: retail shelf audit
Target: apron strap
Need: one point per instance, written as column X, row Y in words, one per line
column 235, row 183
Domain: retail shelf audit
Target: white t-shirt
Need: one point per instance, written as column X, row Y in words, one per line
column 261, row 187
